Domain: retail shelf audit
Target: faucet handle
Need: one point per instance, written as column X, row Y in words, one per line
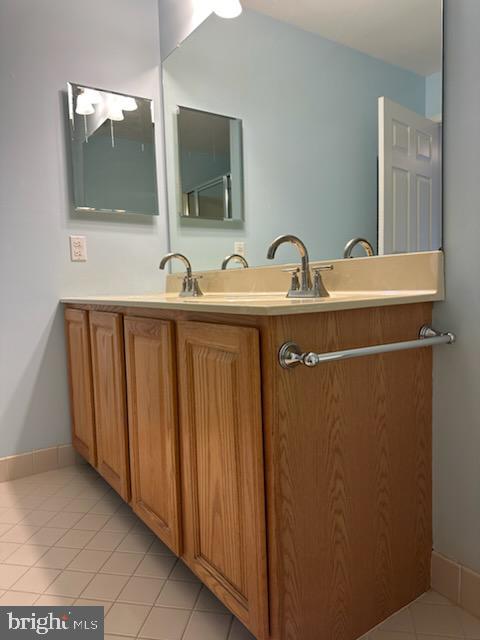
column 323, row 267
column 295, row 282
column 318, row 286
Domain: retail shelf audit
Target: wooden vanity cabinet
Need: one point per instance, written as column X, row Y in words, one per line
column 222, row 466
column 77, row 335
column 108, row 369
column 301, row 497
column 153, row 428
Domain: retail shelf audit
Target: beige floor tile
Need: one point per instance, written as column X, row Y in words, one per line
column 109, row 636
column 35, row 579
column 17, row 598
column 166, row 624
column 54, row 601
column 239, row 632
column 379, row 634
column 27, row 555
column 13, row 515
column 434, row 619
column 159, row 548
column 106, row 540
column 47, row 536
column 6, row 549
column 126, row 618
column 19, row 533
column 208, row 626
column 55, row 503
column 122, row 562
column 71, row 490
column 57, row 558
column 432, row 597
column 85, row 602
column 4, row 528
column 105, row 586
column 136, row 543
column 208, row 602
column 89, row 560
column 70, row 584
column 91, row 522
column 106, row 507
column 141, row 590
column 9, row 574
column 155, row 566
column 45, row 491
column 178, row 594
column 422, row 636
column 64, row 519
column 93, row 492
column 75, row 539
column 38, row 518
column 120, row 523
column 80, row 505
column 140, row 528
column 401, row 621
column 182, row 572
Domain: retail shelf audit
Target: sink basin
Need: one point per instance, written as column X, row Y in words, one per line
column 270, row 296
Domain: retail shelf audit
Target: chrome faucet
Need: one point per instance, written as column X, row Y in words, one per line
column 190, row 286
column 351, row 244
column 303, row 287
column 236, row 257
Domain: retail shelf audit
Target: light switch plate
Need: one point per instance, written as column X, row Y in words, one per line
column 78, row 248
column 239, row 247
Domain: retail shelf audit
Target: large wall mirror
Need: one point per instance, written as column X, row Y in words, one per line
column 112, row 152
column 339, row 113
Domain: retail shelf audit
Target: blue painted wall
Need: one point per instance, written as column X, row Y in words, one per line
column 309, row 112
column 433, row 95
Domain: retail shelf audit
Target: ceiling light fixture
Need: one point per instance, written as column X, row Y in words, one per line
column 227, row 8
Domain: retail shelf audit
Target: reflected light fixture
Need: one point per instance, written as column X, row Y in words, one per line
column 227, row 8
column 115, row 112
column 93, row 96
column 84, row 106
column 113, row 108
column 127, row 103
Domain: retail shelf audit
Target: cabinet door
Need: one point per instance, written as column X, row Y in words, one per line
column 152, row 411
column 106, row 336
column 80, row 380
column 222, row 466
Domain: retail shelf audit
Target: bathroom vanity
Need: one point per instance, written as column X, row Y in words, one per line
column 301, row 497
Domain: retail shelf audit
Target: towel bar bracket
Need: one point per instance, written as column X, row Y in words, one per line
column 290, row 355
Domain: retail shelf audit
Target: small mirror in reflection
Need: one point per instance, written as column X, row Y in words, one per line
column 210, row 160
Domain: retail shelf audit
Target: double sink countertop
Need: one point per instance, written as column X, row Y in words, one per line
column 353, row 283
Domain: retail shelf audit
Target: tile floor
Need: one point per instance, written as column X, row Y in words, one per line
column 67, row 538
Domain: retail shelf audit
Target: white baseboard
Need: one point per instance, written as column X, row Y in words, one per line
column 456, row 582
column 26, row 464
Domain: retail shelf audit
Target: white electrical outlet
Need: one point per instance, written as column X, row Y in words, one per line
column 78, row 248
column 239, row 247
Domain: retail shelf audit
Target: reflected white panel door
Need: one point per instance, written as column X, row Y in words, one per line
column 409, row 180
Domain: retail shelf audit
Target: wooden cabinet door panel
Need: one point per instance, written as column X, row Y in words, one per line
column 80, row 380
column 108, row 366
column 222, row 466
column 152, row 408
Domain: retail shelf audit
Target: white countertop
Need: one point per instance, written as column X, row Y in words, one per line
column 262, row 304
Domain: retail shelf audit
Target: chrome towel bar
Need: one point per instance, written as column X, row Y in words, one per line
column 290, row 354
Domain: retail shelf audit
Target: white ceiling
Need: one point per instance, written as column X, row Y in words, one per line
column 406, row 33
